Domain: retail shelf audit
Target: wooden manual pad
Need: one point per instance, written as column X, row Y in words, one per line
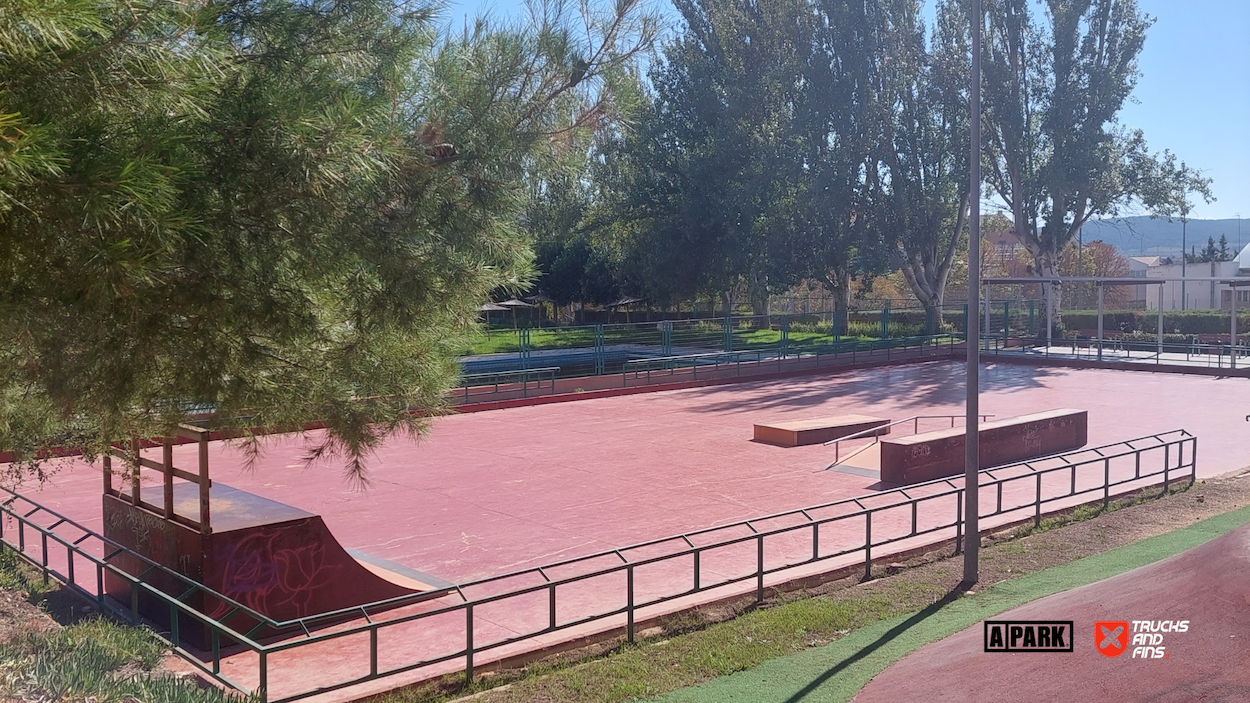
column 798, row 433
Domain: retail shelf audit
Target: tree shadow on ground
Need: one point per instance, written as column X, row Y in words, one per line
column 919, row 388
column 889, row 636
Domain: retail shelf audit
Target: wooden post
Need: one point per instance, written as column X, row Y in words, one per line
column 108, row 473
column 167, row 459
column 205, row 484
column 135, row 495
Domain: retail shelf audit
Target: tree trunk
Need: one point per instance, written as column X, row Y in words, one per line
column 841, row 305
column 932, row 318
column 1048, row 267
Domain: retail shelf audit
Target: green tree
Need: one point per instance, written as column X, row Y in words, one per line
column 707, row 166
column 836, row 232
column 281, row 212
column 572, row 267
column 1053, row 90
column 923, row 157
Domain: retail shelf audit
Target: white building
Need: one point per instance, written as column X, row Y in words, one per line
column 1200, row 295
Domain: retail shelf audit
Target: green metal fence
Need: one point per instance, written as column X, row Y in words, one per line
column 591, row 350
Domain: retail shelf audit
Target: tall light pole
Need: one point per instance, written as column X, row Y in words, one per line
column 972, row 445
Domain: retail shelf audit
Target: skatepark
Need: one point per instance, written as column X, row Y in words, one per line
column 561, row 523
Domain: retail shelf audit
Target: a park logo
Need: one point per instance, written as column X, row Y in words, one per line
column 1111, row 637
column 1028, row 636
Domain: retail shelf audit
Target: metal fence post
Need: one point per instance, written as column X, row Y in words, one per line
column 785, row 335
column 759, row 569
column 262, row 687
column 373, row 651
column 1106, row 483
column 867, row 545
column 728, row 342
column 629, row 603
column 959, row 521
column 1193, row 460
column 1006, row 321
column 885, row 321
column 1037, row 507
column 599, row 350
column 468, row 643
column 524, row 341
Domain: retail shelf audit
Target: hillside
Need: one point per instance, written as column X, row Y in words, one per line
column 1137, row 236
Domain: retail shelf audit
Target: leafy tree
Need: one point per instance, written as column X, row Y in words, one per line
column 836, row 229
column 279, row 211
column 573, row 268
column 923, row 156
column 701, row 183
column 1053, row 89
column 1098, row 259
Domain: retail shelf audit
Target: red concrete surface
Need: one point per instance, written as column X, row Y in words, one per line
column 1209, row 586
column 488, row 493
column 492, row 492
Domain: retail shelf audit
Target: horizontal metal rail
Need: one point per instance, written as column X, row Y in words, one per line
column 875, row 433
column 793, row 355
column 1069, row 476
column 509, row 379
column 1196, row 354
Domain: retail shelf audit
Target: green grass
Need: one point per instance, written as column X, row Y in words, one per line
column 654, row 666
column 16, row 575
column 709, row 335
column 94, row 659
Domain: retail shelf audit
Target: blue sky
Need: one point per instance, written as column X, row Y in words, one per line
column 1193, row 97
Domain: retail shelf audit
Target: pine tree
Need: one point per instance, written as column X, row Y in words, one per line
column 275, row 212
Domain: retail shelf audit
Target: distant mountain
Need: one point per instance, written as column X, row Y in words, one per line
column 1142, row 236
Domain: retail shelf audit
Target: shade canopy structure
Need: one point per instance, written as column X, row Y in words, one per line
column 1101, row 283
column 514, row 303
column 491, row 307
column 540, row 298
column 628, row 300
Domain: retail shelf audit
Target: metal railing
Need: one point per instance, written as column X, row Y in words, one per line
column 1192, row 353
column 85, row 548
column 875, row 433
column 510, row 380
column 795, row 357
column 900, row 514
